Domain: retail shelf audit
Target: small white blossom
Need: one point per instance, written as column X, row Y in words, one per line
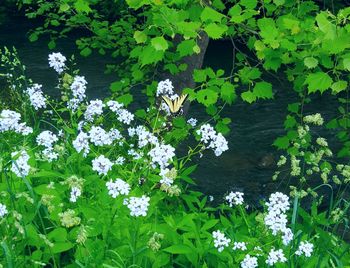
column 20, row 163
column 102, row 165
column 138, row 205
column 275, row 256
column 46, row 138
column 220, row 241
column 119, row 161
column 239, row 245
column 3, row 210
column 118, row 187
column 235, row 198
column 74, row 194
column 305, row 248
column 214, row 141
column 10, row 121
column 81, row 143
column 249, row 262
column 165, row 88
column 99, row 136
column 57, row 62
column 36, row 97
column 161, row 154
column 78, row 88
column 192, row 122
column 287, row 236
column 94, row 108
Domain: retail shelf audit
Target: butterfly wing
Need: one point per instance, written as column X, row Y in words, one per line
column 169, row 102
column 179, row 102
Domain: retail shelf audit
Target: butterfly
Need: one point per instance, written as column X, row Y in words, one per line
column 175, row 105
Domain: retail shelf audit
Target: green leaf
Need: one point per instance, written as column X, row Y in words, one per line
column 339, row 86
column 319, row 81
column 207, row 96
column 126, row 99
column 82, row 6
column 215, row 31
column 140, row 37
column 199, row 75
column 149, row 55
column 290, row 122
column 58, row 235
column 85, row 52
column 135, row 3
column 248, row 96
column 310, row 62
column 179, row 249
column 209, row 14
column 228, row 93
column 263, row 90
column 326, row 26
column 51, row 44
column 346, row 63
column 64, row 7
column 268, row 30
column 61, row 247
column 159, row 43
column 281, row 142
column 251, row 4
column 279, row 2
column 186, row 47
column 33, row 37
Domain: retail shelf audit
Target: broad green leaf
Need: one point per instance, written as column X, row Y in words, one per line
column 199, row 75
column 61, row 247
column 135, row 3
column 249, row 3
column 326, row 26
column 290, row 122
column 228, row 93
column 64, row 7
column 319, row 81
column 215, row 31
column 159, row 43
column 126, row 99
column 310, row 62
column 179, row 249
column 140, row 37
column 339, row 86
column 149, row 55
column 263, row 90
column 209, row 14
column 248, row 96
column 279, row 2
column 82, row 6
column 281, row 142
column 346, row 63
column 268, row 29
column 58, row 235
column 207, row 96
column 86, row 52
column 33, row 37
column 186, row 47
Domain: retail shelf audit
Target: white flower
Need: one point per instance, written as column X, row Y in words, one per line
column 10, row 121
column 102, row 165
column 120, row 161
column 99, row 136
column 275, row 256
column 114, row 134
column 305, row 248
column 249, row 262
column 165, row 88
column 161, row 154
column 192, row 122
column 214, row 141
column 3, row 210
column 49, row 154
column 315, row 119
column 235, row 198
column 278, row 202
column 287, row 236
column 94, row 108
column 74, row 194
column 78, row 88
column 36, row 97
column 145, row 137
column 114, row 106
column 220, row 241
column 81, row 143
column 57, row 62
column 118, row 187
column 239, row 245
column 138, row 205
column 46, row 138
column 20, row 164
column 123, row 115
column 167, row 177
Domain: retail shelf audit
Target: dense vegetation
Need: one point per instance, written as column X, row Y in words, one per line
column 90, row 184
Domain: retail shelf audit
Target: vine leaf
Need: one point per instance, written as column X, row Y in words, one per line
column 209, row 14
column 339, row 86
column 159, row 43
column 207, row 96
column 318, row 81
column 263, row 90
column 248, row 96
column 310, row 62
column 215, row 31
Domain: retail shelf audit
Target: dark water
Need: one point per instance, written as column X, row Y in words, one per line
column 254, row 126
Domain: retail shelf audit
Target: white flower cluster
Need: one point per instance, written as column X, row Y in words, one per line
column 99, row 136
column 81, row 143
column 102, row 165
column 10, row 121
column 235, row 198
column 213, row 140
column 315, row 119
column 36, row 96
column 95, row 107
column 240, row 246
column 118, row 187
column 138, row 205
column 167, row 177
column 47, row 139
column 144, row 136
column 57, row 62
column 276, row 218
column 74, row 194
column 20, row 163
column 192, row 122
column 3, row 210
column 123, row 115
column 220, row 241
column 275, row 256
column 249, row 262
column 78, row 88
column 161, row 154
column 305, row 248
column 165, row 88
